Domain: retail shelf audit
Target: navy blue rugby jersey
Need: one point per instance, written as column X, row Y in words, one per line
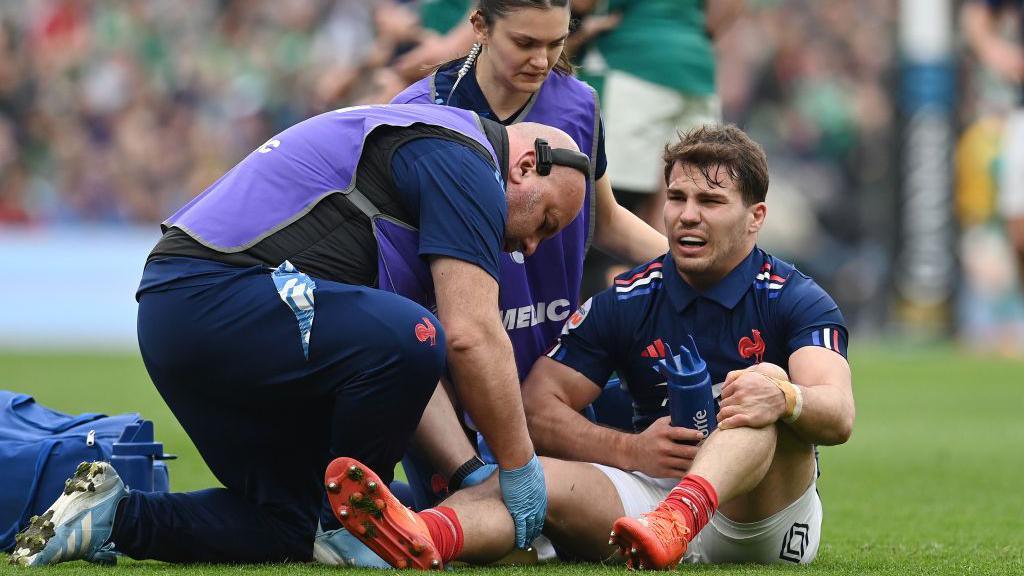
column 762, row 311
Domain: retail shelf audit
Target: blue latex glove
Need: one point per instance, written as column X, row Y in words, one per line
column 479, row 475
column 526, row 498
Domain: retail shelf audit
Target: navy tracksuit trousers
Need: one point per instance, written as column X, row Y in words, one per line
column 224, row 351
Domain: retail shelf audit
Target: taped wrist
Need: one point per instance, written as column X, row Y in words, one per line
column 467, row 468
column 794, row 399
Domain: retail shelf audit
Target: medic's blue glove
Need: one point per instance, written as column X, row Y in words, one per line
column 479, row 475
column 526, row 498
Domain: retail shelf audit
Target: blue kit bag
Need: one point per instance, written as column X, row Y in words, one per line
column 40, row 449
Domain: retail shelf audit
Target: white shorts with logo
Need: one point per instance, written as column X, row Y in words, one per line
column 791, row 535
column 640, row 118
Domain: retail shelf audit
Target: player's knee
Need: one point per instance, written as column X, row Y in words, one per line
column 558, row 479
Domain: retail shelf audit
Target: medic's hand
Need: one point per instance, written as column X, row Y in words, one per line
column 526, row 498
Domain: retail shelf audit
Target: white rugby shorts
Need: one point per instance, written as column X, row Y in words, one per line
column 790, row 536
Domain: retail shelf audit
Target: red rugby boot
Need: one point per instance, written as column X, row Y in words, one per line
column 369, row 511
column 655, row 541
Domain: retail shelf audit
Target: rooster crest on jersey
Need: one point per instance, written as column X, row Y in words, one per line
column 425, row 331
column 755, row 347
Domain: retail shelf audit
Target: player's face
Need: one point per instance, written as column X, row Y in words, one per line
column 710, row 229
column 523, row 46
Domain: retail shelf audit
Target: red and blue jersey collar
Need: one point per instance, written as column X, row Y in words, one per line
column 727, row 292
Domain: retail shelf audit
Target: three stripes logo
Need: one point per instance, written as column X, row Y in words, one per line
column 655, row 350
column 795, row 543
column 79, row 540
column 765, row 280
column 643, row 282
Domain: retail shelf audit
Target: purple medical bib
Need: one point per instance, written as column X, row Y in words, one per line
column 286, row 177
column 400, row 268
column 538, row 294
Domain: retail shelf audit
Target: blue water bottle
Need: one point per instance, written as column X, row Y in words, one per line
column 691, row 403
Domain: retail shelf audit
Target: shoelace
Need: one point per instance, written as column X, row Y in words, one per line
column 667, row 525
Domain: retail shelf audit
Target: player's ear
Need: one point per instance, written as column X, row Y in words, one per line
column 757, row 214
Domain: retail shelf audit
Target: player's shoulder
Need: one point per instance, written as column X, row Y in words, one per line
column 776, row 276
column 621, row 306
column 781, row 285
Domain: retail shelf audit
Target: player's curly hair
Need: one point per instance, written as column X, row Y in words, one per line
column 727, row 146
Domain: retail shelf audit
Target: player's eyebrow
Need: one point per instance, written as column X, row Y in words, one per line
column 712, row 194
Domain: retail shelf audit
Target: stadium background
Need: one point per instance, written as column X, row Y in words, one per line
column 112, row 114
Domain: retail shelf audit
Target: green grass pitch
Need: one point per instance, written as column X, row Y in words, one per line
column 932, row 481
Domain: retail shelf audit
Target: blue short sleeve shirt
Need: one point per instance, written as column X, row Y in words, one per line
column 762, row 311
column 459, row 197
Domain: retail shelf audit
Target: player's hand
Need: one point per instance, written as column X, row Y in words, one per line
column 751, row 399
column 658, row 451
column 773, row 370
column 526, row 498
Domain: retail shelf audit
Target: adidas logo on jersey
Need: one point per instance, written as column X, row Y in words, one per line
column 654, row 350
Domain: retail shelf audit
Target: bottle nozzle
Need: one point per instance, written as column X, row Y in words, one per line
column 688, row 362
column 689, row 358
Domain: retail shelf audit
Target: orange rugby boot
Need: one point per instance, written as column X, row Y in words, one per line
column 369, row 511
column 655, row 541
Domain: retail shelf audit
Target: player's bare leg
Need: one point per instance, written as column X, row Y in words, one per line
column 439, row 437
column 488, row 532
column 582, row 503
column 753, row 472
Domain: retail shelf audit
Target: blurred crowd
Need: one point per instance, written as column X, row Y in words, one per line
column 120, row 111
column 820, row 95
column 116, row 111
